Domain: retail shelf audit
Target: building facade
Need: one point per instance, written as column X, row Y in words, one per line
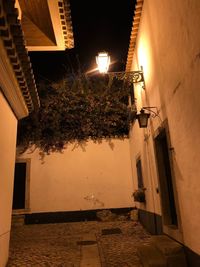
column 86, row 177
column 164, row 156
column 18, row 92
column 165, row 43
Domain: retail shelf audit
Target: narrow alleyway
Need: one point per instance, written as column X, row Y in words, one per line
column 71, row 244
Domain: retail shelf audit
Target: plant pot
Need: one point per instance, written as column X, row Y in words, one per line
column 139, row 195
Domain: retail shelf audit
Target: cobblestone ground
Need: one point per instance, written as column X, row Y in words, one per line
column 56, row 244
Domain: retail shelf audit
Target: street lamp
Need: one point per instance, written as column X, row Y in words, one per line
column 103, row 62
column 143, row 116
column 129, row 77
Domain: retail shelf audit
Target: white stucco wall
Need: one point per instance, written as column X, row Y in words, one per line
column 8, row 128
column 168, row 49
column 96, row 176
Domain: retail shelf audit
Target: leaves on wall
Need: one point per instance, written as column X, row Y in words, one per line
column 76, row 110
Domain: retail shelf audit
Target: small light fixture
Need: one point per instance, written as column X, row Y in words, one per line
column 103, row 62
column 143, row 116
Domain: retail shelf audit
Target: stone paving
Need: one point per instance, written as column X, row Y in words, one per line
column 59, row 245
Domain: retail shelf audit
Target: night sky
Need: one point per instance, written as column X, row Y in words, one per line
column 97, row 26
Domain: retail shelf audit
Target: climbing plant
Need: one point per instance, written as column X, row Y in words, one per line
column 75, row 110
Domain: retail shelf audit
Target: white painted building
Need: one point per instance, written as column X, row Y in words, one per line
column 90, row 177
column 163, row 158
column 18, row 93
column 165, row 42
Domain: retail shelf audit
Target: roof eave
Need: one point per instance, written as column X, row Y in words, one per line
column 12, row 41
column 134, row 33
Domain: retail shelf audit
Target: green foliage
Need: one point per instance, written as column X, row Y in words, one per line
column 76, row 110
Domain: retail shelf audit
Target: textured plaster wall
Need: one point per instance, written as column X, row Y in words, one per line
column 96, row 176
column 168, row 48
column 8, row 127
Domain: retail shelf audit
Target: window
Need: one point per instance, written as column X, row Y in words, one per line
column 139, row 173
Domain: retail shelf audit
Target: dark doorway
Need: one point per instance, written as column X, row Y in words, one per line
column 165, row 179
column 19, row 186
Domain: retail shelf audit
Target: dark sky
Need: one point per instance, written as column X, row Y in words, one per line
column 97, row 26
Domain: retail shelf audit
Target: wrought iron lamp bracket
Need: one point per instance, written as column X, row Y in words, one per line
column 129, row 76
column 153, row 113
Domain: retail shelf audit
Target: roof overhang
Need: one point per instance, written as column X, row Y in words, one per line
column 134, row 33
column 16, row 79
column 46, row 24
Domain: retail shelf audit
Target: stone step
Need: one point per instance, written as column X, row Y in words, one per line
column 170, row 249
column 18, row 220
column 151, row 256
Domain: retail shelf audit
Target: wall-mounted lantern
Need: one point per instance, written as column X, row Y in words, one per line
column 143, row 116
column 103, row 62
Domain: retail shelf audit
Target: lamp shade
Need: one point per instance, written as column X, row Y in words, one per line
column 103, row 62
column 143, row 119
